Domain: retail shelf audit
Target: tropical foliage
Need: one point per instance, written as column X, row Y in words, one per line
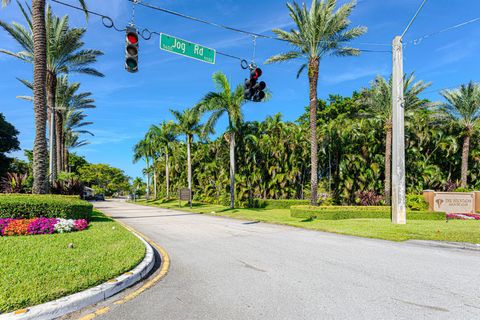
column 8, row 143
column 62, row 53
column 272, row 155
column 321, row 31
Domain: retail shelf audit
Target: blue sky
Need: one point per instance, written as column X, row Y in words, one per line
column 127, row 104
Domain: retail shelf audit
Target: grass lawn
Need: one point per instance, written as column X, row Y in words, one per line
column 40, row 268
column 454, row 230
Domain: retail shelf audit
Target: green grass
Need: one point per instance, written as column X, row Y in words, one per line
column 40, row 268
column 454, row 230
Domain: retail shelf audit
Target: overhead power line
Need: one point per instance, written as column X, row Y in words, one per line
column 146, row 34
column 249, row 33
column 413, row 19
column 428, row 35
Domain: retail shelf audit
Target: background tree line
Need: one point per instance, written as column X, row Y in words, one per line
column 272, row 157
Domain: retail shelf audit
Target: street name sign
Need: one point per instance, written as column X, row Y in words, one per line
column 187, row 48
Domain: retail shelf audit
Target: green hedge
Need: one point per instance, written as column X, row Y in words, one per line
column 350, row 212
column 48, row 206
column 277, row 204
column 416, row 202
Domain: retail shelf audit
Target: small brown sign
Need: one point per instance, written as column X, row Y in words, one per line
column 184, row 194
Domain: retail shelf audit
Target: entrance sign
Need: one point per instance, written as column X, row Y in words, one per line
column 184, row 194
column 454, row 202
column 187, row 49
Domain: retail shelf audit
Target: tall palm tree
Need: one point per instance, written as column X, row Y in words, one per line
column 64, row 55
column 143, row 150
column 463, row 108
column 167, row 136
column 188, row 124
column 322, row 31
column 378, row 100
column 68, row 103
column 39, row 48
column 225, row 101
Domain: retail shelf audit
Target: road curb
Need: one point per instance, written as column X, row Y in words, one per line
column 445, row 245
column 79, row 300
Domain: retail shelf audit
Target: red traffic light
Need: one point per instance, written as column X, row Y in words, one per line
column 256, row 73
column 132, row 37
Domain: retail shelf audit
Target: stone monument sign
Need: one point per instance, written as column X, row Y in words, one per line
column 454, row 202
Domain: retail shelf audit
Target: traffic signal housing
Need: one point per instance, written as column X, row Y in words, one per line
column 131, row 50
column 253, row 88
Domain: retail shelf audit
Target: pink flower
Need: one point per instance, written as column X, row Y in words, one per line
column 80, row 224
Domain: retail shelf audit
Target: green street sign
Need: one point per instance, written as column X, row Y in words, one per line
column 187, row 49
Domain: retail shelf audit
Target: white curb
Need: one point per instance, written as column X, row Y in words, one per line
column 77, row 301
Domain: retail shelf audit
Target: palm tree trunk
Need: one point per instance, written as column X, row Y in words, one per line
column 51, row 89
column 232, row 170
column 148, row 179
column 65, row 156
column 388, row 163
column 465, row 152
column 155, row 180
column 167, row 174
column 189, row 164
column 39, row 78
column 313, row 80
column 59, row 140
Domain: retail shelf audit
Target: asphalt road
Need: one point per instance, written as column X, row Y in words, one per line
column 232, row 269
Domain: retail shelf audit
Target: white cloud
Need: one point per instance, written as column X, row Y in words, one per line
column 354, row 74
column 107, row 137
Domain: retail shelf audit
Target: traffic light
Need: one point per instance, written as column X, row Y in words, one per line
column 131, row 50
column 254, row 89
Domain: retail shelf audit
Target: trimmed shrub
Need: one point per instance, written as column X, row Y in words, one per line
column 284, row 203
column 49, row 206
column 279, row 204
column 416, row 202
column 351, row 212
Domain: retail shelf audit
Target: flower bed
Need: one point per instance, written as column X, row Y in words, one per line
column 17, row 227
column 463, row 216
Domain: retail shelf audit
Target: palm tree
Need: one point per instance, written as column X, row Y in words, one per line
column 463, row 108
column 188, row 123
column 68, row 104
column 154, row 145
column 322, row 31
column 39, row 48
column 378, row 100
column 64, row 55
column 167, row 136
column 224, row 101
column 143, row 150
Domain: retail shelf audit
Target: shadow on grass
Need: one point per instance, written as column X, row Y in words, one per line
column 99, row 217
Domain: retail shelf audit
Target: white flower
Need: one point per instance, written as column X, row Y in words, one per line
column 64, row 225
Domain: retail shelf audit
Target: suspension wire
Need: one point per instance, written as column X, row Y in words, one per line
column 145, row 33
column 178, row 14
column 253, row 34
column 132, row 21
column 425, row 36
column 413, row 19
column 254, row 48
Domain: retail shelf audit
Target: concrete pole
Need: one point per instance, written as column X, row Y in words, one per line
column 399, row 214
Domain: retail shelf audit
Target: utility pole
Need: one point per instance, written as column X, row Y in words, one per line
column 399, row 208
column 399, row 213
